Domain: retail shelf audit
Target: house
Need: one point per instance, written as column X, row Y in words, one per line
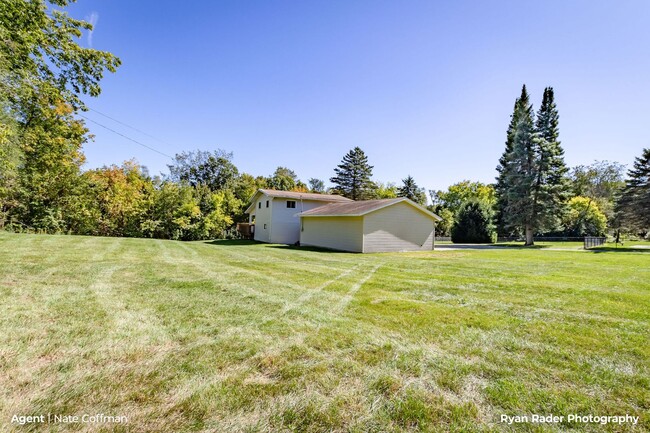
column 275, row 213
column 370, row 226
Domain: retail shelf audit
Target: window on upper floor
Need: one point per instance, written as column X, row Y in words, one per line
column 291, row 204
column 267, row 203
column 259, row 205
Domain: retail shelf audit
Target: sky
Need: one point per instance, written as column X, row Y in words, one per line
column 425, row 88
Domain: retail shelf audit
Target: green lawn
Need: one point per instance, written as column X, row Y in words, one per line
column 234, row 336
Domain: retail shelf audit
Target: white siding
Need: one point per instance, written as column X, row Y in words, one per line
column 262, row 217
column 399, row 227
column 285, row 224
column 339, row 233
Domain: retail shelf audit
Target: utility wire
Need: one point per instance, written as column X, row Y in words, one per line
column 129, row 126
column 127, row 137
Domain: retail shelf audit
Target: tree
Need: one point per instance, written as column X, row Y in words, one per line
column 40, row 56
column 584, row 218
column 385, row 190
column 213, row 169
column 444, row 226
column 531, row 185
column 316, row 185
column 460, row 193
column 412, row 191
column 43, row 74
column 552, row 184
column 123, row 195
column 474, row 224
column 501, row 183
column 284, row 179
column 601, row 181
column 352, row 179
column 633, row 205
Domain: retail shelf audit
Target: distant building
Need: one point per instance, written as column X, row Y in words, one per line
column 335, row 222
column 275, row 213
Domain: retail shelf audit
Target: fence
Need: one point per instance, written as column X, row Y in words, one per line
column 593, row 241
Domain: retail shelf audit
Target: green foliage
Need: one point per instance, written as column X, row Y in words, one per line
column 123, row 195
column 633, row 205
column 43, row 73
column 40, row 56
column 584, row 218
column 474, row 224
column 601, row 181
column 412, row 191
column 183, row 212
column 284, row 179
column 352, row 176
column 51, row 148
column 532, row 187
column 213, row 169
column 316, row 185
column 385, row 190
column 443, row 227
column 462, row 192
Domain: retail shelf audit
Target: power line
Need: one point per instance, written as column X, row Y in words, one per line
column 129, row 126
column 127, row 137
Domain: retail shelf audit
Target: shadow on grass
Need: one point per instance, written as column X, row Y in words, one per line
column 306, row 248
column 618, row 250
column 233, row 242
column 247, row 242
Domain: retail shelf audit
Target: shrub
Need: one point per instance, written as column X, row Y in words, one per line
column 474, row 224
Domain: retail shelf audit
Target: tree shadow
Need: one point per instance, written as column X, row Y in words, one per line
column 618, row 250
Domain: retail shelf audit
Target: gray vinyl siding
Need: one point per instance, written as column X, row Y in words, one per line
column 399, row 227
column 338, row 233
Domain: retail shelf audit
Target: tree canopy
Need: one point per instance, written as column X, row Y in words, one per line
column 353, row 176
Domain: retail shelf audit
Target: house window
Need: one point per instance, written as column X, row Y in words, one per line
column 267, row 203
column 264, row 226
column 291, row 204
column 259, row 205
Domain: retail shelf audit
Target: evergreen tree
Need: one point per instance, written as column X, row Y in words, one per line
column 552, row 185
column 633, row 205
column 412, row 191
column 474, row 224
column 532, row 186
column 500, row 186
column 353, row 175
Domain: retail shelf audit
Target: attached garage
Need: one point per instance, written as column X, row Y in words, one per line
column 370, row 226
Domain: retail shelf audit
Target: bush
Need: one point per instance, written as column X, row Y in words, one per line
column 474, row 224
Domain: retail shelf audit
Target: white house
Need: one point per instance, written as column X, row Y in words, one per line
column 370, row 226
column 275, row 213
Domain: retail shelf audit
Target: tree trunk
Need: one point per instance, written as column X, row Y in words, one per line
column 529, row 235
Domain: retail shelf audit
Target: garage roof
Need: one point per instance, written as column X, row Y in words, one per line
column 360, row 208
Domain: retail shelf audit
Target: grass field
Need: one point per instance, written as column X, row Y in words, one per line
column 234, row 336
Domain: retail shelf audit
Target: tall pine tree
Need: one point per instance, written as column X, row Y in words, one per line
column 633, row 206
column 552, row 185
column 500, row 186
column 353, row 175
column 532, row 184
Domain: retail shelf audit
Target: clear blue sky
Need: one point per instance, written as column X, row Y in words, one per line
column 425, row 88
